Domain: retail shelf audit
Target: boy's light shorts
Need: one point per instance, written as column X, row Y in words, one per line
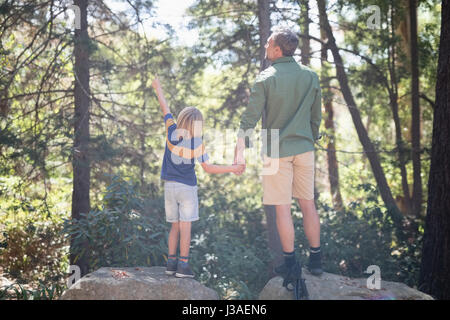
column 181, row 202
column 291, row 177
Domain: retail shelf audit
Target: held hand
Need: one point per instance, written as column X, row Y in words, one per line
column 238, row 169
column 239, row 157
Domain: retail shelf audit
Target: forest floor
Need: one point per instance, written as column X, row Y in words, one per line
column 9, row 283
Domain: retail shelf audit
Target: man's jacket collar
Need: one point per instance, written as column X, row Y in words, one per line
column 284, row 59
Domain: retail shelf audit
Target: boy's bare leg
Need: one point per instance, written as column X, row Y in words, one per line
column 311, row 222
column 185, row 238
column 285, row 227
column 174, row 235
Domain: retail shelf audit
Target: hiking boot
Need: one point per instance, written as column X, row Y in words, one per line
column 285, row 271
column 315, row 266
column 171, row 266
column 184, row 271
column 282, row 270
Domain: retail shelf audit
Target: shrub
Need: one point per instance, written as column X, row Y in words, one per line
column 33, row 250
column 42, row 292
column 361, row 235
column 228, row 243
column 126, row 231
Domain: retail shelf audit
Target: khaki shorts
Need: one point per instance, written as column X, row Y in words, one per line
column 292, row 177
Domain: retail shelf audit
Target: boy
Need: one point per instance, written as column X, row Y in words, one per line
column 184, row 145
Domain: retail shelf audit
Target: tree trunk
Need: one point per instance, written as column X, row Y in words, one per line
column 81, row 159
column 415, row 104
column 273, row 238
column 368, row 147
column 304, row 22
column 393, row 102
column 435, row 268
column 333, row 168
column 264, row 31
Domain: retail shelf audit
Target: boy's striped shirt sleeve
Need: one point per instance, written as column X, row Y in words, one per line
column 168, row 120
column 170, row 128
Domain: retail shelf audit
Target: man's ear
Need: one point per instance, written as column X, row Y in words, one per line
column 279, row 51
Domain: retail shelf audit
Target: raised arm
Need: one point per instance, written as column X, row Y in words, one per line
column 159, row 93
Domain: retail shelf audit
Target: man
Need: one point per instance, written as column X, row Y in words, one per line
column 290, row 96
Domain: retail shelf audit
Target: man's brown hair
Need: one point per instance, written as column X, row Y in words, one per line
column 286, row 40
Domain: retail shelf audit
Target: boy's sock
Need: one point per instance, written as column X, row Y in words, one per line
column 172, row 257
column 314, row 255
column 289, row 258
column 184, row 260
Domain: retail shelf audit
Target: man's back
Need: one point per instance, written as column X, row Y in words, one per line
column 290, row 95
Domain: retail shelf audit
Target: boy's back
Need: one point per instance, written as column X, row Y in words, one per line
column 180, row 155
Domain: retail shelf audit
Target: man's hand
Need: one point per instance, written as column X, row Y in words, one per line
column 238, row 169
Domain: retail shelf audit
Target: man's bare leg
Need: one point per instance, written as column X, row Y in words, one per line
column 285, row 227
column 311, row 222
column 311, row 225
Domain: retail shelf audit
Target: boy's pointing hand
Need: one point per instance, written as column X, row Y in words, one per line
column 156, row 84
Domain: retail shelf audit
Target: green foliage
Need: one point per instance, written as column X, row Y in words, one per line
column 229, row 250
column 33, row 251
column 364, row 235
column 126, row 231
column 127, row 226
column 42, row 292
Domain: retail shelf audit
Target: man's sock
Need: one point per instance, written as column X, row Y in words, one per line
column 314, row 254
column 289, row 258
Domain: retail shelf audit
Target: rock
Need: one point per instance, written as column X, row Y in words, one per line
column 330, row 286
column 136, row 284
column 5, row 282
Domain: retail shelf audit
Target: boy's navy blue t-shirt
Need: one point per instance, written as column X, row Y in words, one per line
column 180, row 155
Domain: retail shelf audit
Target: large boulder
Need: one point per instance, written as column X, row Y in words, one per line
column 330, row 286
column 136, row 284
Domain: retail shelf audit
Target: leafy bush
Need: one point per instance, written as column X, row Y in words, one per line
column 227, row 249
column 363, row 235
column 42, row 292
column 127, row 231
column 229, row 257
column 33, row 250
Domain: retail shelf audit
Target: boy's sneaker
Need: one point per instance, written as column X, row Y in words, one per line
column 171, row 266
column 184, row 271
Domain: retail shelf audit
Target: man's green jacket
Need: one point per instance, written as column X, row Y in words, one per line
column 290, row 95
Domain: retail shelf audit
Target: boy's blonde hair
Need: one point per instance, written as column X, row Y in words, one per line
column 190, row 120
